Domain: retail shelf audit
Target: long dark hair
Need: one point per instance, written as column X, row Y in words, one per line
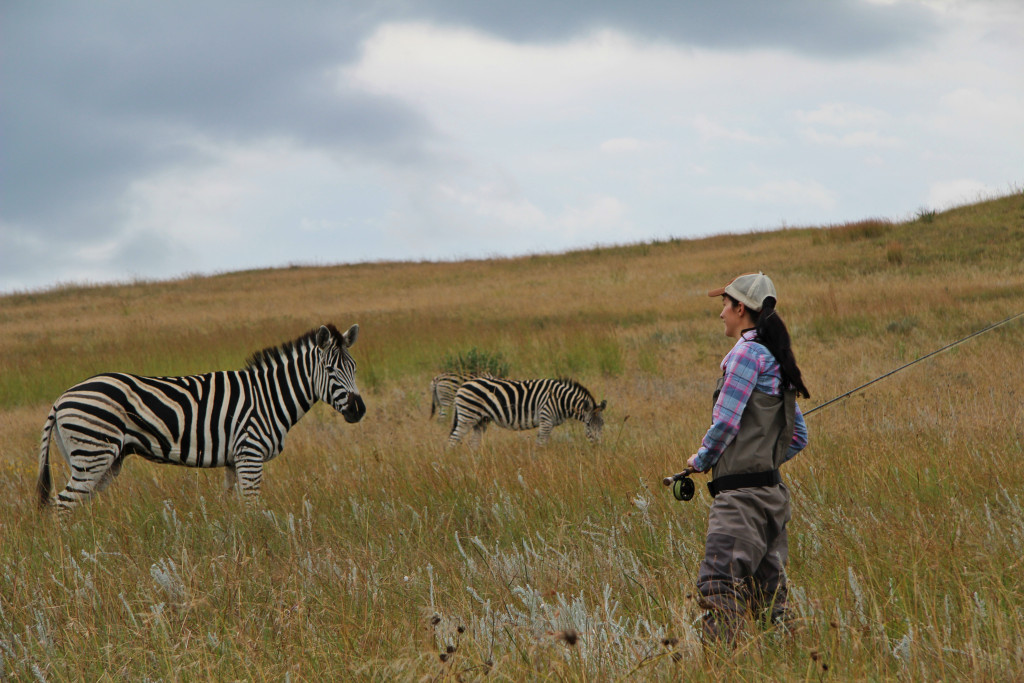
column 772, row 333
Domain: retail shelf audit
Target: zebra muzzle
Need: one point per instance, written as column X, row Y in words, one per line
column 354, row 408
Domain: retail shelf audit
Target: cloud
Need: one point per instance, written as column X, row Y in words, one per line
column 973, row 106
column 154, row 140
column 713, row 130
column 842, row 114
column 859, row 138
column 425, row 66
column 30, row 259
column 949, row 193
column 781, row 193
column 95, row 97
column 629, row 145
column 833, row 29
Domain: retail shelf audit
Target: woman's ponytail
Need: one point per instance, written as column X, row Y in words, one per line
column 772, row 333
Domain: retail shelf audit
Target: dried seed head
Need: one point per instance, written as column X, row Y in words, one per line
column 461, row 629
column 450, row 649
column 569, row 635
column 670, row 642
column 443, row 656
column 435, row 620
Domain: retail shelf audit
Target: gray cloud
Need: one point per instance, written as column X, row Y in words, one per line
column 838, row 28
column 94, row 97
column 97, row 96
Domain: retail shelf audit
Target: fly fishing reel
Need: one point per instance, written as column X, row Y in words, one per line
column 682, row 485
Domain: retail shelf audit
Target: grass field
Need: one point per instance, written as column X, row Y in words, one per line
column 376, row 554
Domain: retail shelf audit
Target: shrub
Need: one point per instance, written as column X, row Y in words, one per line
column 476, row 362
column 859, row 230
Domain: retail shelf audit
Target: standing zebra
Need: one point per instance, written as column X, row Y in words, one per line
column 524, row 404
column 443, row 388
column 233, row 419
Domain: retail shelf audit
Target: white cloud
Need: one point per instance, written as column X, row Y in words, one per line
column 713, row 130
column 493, row 203
column 949, row 193
column 629, row 145
column 783, row 192
column 842, row 114
column 469, row 77
column 858, row 138
column 600, row 218
column 256, row 204
column 449, row 72
column 976, row 108
column 847, row 125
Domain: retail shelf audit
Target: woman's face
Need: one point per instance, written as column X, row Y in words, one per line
column 736, row 319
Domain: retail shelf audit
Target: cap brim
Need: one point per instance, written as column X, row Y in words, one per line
column 717, row 292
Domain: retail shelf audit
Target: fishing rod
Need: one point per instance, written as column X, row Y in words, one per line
column 683, row 487
column 913, row 362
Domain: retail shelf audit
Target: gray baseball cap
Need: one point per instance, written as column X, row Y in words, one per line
column 750, row 289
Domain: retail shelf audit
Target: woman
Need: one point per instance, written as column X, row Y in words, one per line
column 755, row 427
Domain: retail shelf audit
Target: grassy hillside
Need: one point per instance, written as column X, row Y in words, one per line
column 376, row 550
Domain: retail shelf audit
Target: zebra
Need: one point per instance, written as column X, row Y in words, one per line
column 443, row 388
column 232, row 419
column 524, row 404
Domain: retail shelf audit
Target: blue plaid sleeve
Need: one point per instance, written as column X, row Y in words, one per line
column 799, row 441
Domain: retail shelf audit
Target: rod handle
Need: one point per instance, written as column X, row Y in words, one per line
column 667, row 481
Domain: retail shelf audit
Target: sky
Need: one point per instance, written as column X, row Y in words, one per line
column 147, row 141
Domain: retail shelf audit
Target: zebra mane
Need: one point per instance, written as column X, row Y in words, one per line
column 271, row 353
column 576, row 385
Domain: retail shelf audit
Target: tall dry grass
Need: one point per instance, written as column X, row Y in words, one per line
column 378, row 555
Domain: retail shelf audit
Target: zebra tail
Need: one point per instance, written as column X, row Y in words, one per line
column 44, row 483
column 433, row 400
column 455, row 419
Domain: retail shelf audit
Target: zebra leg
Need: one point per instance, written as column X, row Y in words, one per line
column 94, row 461
column 249, row 470
column 108, row 476
column 545, row 432
column 230, row 478
column 91, row 472
column 478, row 433
column 461, row 424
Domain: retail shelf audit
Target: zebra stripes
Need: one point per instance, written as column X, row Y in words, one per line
column 233, row 419
column 524, row 404
column 443, row 388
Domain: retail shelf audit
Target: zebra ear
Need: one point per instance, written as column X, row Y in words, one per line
column 350, row 335
column 601, row 407
column 323, row 337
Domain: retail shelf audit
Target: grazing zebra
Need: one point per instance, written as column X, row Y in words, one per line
column 443, row 388
column 233, row 419
column 524, row 404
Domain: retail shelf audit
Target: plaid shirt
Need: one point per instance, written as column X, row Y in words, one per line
column 748, row 366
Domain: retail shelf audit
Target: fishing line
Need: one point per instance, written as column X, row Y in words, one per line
column 904, row 367
column 682, row 485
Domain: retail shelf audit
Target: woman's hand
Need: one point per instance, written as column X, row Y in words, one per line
column 691, row 461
